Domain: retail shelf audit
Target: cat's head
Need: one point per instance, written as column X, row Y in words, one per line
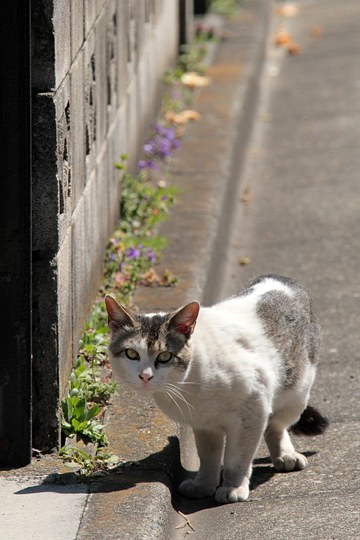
column 149, row 351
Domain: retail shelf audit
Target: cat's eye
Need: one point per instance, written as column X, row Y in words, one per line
column 164, row 357
column 132, row 354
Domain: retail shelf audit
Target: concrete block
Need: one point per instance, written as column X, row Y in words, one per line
column 133, row 118
column 43, row 46
column 90, row 103
column 100, row 5
column 103, row 201
column 46, row 425
column 101, row 78
column 186, row 18
column 79, row 271
column 62, row 29
column 65, row 318
column 94, row 248
column 87, row 255
column 140, row 27
column 77, row 123
column 111, row 60
column 63, row 107
column 117, row 146
column 90, row 11
column 44, row 174
column 77, row 27
column 148, row 91
column 131, row 36
column 121, row 52
column 166, row 42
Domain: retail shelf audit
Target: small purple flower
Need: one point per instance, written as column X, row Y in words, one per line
column 150, row 254
column 170, row 134
column 159, row 148
column 133, row 253
column 160, row 129
column 112, row 257
column 164, row 198
column 165, row 148
column 175, row 144
column 147, row 164
column 149, row 147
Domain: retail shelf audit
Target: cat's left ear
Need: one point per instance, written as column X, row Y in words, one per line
column 184, row 320
column 118, row 316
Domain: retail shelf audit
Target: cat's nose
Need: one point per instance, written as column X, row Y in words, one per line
column 146, row 375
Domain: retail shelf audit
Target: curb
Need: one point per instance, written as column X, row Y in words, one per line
column 136, row 501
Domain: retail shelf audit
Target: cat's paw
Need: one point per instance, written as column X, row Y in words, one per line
column 189, row 488
column 293, row 461
column 225, row 495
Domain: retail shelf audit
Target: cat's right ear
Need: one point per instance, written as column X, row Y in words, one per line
column 118, row 316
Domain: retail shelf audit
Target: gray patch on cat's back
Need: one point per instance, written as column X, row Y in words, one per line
column 292, row 327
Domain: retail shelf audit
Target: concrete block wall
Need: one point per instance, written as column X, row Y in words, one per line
column 97, row 67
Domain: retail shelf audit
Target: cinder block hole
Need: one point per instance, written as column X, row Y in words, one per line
column 87, row 137
column 109, row 90
column 93, row 66
column 67, row 115
column 61, row 197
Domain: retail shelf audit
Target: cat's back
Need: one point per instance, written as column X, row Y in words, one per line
column 280, row 305
column 284, row 309
column 272, row 296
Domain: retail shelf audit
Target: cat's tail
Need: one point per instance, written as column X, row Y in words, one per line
column 310, row 423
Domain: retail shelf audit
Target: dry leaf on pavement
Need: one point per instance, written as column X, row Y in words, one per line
column 287, row 10
column 194, row 80
column 182, row 117
column 282, row 38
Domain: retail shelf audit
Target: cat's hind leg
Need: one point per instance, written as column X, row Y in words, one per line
column 209, row 446
column 282, row 452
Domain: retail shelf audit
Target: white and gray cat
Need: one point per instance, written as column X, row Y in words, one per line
column 244, row 371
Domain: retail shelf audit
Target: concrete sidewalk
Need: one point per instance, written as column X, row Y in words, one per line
column 43, row 501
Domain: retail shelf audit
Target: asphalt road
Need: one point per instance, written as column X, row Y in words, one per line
column 297, row 213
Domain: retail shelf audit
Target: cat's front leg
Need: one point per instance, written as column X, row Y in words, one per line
column 241, row 444
column 209, row 446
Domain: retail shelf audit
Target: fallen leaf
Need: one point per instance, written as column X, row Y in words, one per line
column 120, row 279
column 150, row 278
column 244, row 261
column 282, row 38
column 246, row 196
column 294, row 48
column 316, row 31
column 192, row 79
column 287, row 10
column 183, row 117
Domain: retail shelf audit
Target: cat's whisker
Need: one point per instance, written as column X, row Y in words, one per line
column 176, row 392
column 182, row 397
column 178, row 389
column 168, row 393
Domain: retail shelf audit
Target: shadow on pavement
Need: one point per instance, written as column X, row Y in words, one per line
column 161, row 467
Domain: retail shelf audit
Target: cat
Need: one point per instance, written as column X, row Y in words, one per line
column 235, row 372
